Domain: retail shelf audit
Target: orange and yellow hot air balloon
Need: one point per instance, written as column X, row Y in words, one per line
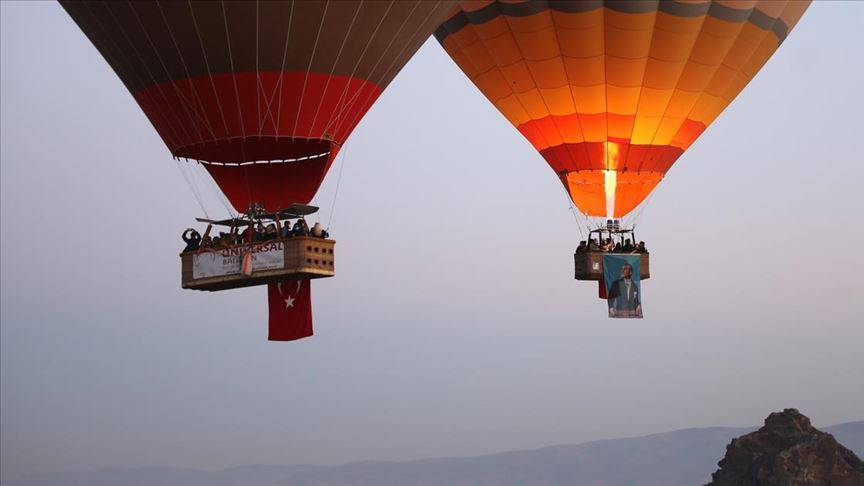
column 612, row 92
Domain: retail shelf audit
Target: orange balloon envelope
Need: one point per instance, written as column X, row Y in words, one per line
column 262, row 93
column 612, row 92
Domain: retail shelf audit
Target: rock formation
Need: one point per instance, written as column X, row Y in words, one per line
column 788, row 451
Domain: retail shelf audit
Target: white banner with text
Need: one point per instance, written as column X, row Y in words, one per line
column 229, row 261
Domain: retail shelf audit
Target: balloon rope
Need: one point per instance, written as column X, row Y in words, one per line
column 575, row 212
column 338, row 184
column 393, row 65
column 207, row 181
column 258, row 84
column 578, row 221
column 308, row 68
column 281, row 73
column 192, row 188
column 332, row 70
column 192, row 87
column 634, row 217
column 231, row 62
column 188, row 107
column 172, row 139
column 338, row 112
column 249, row 187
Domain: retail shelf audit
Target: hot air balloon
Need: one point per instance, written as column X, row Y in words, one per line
column 262, row 94
column 611, row 93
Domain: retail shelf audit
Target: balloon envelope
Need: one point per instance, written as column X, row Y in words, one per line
column 612, row 92
column 262, row 93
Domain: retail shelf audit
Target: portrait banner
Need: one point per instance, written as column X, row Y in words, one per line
column 623, row 288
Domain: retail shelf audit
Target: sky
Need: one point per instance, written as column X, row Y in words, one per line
column 454, row 326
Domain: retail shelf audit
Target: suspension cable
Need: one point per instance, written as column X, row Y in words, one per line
column 207, row 181
column 574, row 210
column 635, row 218
column 338, row 184
column 192, row 187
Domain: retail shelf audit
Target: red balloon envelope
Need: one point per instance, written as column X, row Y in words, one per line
column 262, row 93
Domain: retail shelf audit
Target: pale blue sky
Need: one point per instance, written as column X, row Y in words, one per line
column 454, row 326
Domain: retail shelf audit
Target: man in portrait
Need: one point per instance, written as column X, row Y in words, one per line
column 624, row 296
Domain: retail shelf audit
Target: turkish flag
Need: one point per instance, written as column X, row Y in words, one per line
column 290, row 305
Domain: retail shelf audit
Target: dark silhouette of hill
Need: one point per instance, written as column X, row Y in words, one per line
column 788, row 451
column 683, row 457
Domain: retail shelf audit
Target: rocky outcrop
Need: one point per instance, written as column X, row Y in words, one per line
column 788, row 451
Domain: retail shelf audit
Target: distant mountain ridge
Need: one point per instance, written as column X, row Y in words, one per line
column 683, row 457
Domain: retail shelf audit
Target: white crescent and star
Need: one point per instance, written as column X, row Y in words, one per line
column 289, row 302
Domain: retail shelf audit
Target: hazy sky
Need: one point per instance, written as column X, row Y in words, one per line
column 454, row 326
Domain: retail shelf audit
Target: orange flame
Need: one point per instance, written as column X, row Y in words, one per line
column 610, row 178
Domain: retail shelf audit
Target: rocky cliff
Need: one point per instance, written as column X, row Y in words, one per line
column 788, row 451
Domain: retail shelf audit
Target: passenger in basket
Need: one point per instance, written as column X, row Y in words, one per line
column 608, row 245
column 259, row 232
column 581, row 248
column 641, row 247
column 244, row 236
column 192, row 239
column 317, row 230
column 628, row 246
column 300, row 228
column 270, row 232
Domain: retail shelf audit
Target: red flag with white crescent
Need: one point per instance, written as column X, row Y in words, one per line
column 290, row 305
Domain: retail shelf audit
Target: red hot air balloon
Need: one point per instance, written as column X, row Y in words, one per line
column 262, row 93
